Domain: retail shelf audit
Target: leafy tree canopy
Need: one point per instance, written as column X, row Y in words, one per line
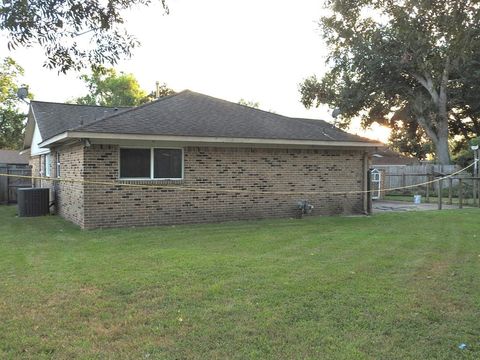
column 73, row 33
column 408, row 64
column 253, row 104
column 160, row 91
column 11, row 118
column 107, row 88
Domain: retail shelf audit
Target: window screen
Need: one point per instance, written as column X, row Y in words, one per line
column 167, row 163
column 47, row 164
column 135, row 163
column 58, row 165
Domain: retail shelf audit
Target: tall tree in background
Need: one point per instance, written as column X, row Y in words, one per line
column 249, row 103
column 11, row 118
column 107, row 88
column 74, row 34
column 403, row 62
column 161, row 90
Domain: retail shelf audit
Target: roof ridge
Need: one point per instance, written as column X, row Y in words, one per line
column 331, row 127
column 272, row 113
column 245, row 106
column 327, row 124
column 128, row 110
column 314, row 120
column 69, row 104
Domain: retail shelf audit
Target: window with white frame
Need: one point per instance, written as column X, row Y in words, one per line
column 47, row 162
column 57, row 169
column 151, row 163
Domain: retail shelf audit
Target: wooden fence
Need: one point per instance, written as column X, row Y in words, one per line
column 10, row 184
column 428, row 180
column 401, row 176
column 467, row 192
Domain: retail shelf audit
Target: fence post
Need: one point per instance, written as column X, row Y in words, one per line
column 8, row 185
column 427, row 196
column 460, row 193
column 478, row 191
column 3, row 186
column 440, row 182
column 450, row 185
column 369, row 193
column 475, row 195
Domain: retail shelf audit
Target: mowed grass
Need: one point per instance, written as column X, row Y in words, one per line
column 391, row 286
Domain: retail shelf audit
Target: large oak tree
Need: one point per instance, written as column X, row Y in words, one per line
column 73, row 33
column 403, row 63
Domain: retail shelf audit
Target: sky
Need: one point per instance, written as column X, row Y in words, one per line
column 231, row 49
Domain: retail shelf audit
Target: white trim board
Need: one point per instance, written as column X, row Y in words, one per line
column 201, row 140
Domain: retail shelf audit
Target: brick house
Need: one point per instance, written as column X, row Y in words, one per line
column 191, row 141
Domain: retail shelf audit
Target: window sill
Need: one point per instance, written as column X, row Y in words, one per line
column 151, row 181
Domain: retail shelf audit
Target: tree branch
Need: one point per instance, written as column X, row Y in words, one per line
column 427, row 82
column 429, row 129
column 442, row 105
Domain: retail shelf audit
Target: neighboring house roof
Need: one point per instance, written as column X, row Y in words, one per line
column 385, row 156
column 55, row 118
column 186, row 116
column 13, row 157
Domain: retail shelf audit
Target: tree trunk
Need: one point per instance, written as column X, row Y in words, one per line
column 437, row 127
column 439, row 137
column 441, row 150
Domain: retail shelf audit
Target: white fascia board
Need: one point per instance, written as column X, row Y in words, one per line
column 42, row 152
column 57, row 138
column 207, row 140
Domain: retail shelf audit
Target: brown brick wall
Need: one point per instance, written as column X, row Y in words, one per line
column 229, row 168
column 36, row 163
column 70, row 196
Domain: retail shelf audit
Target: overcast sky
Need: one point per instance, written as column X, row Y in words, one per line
column 255, row 50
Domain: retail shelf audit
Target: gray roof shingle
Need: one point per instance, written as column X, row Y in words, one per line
column 56, row 118
column 186, row 114
column 192, row 114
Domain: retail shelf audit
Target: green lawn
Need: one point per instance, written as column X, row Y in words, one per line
column 392, row 286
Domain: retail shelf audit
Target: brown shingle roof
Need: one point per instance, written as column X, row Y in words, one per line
column 192, row 114
column 185, row 114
